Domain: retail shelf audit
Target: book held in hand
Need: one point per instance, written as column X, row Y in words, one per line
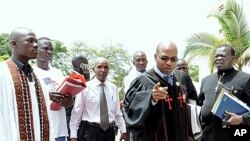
column 194, row 112
column 230, row 103
column 71, row 86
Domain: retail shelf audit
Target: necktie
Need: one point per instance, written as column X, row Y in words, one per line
column 169, row 79
column 104, row 117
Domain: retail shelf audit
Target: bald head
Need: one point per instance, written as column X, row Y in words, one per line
column 138, row 53
column 19, row 32
column 169, row 45
column 181, row 62
column 182, row 65
column 101, row 60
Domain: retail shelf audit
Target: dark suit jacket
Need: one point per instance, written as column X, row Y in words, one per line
column 237, row 80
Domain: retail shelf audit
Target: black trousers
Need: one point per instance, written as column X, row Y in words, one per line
column 93, row 132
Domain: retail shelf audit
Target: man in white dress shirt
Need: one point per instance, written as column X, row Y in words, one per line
column 87, row 108
column 140, row 62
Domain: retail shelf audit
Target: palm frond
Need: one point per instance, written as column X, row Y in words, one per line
column 201, row 44
column 234, row 26
column 244, row 58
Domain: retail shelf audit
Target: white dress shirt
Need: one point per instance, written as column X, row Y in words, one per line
column 87, row 106
column 130, row 77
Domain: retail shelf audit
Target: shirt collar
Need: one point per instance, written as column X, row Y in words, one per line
column 161, row 74
column 138, row 72
column 26, row 68
column 98, row 82
column 135, row 71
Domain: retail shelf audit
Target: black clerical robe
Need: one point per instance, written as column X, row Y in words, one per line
column 163, row 121
column 240, row 82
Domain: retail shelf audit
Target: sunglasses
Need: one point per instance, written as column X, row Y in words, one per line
column 166, row 58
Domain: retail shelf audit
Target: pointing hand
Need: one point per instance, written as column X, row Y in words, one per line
column 158, row 92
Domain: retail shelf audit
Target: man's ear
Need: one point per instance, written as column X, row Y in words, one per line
column 155, row 56
column 233, row 60
column 13, row 43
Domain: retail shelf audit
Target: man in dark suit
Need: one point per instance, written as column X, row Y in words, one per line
column 155, row 104
column 231, row 78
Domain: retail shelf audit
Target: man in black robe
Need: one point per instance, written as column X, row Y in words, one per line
column 238, row 81
column 155, row 107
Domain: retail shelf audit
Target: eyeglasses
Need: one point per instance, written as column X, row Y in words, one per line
column 166, row 58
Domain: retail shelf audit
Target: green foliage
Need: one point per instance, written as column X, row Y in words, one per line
column 59, row 48
column 60, row 59
column 194, row 72
column 5, row 50
column 4, row 57
column 119, row 60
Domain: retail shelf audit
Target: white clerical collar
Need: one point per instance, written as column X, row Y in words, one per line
column 138, row 72
column 134, row 71
column 162, row 74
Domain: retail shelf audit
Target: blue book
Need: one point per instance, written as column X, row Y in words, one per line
column 228, row 102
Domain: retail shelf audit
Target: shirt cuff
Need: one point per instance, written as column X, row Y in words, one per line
column 123, row 129
column 73, row 134
column 153, row 103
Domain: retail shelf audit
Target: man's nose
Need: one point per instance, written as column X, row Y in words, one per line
column 50, row 52
column 35, row 45
column 169, row 61
column 141, row 62
column 103, row 69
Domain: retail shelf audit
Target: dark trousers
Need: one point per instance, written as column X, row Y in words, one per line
column 93, row 132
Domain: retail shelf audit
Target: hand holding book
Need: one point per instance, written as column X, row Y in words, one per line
column 228, row 102
column 56, row 96
column 71, row 86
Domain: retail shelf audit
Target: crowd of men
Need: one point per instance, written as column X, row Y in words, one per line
column 155, row 106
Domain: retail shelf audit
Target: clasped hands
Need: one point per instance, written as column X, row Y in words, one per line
column 159, row 93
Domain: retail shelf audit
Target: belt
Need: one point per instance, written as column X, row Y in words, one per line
column 97, row 124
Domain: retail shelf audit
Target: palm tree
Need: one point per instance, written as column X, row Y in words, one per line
column 234, row 30
column 202, row 44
